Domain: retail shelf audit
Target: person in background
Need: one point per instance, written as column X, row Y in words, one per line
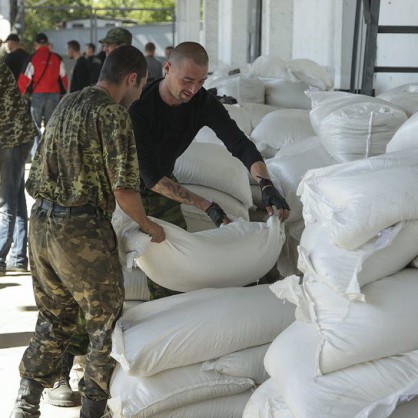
column 46, row 76
column 17, row 56
column 166, row 119
column 115, row 37
column 94, row 63
column 73, row 249
column 155, row 68
column 17, row 131
column 167, row 51
column 80, row 74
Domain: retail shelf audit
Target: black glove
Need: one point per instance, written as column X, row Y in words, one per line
column 270, row 195
column 216, row 213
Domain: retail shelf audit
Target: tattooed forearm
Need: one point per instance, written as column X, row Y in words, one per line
column 177, row 192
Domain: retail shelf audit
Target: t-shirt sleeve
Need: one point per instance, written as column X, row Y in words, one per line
column 148, row 159
column 119, row 150
column 217, row 118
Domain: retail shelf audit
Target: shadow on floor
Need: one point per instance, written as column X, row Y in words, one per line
column 4, row 285
column 18, row 339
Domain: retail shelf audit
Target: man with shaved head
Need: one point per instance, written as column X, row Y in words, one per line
column 166, row 119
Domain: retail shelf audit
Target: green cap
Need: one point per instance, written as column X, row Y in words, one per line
column 117, row 36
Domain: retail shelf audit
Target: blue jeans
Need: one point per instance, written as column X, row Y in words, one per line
column 13, row 212
column 42, row 106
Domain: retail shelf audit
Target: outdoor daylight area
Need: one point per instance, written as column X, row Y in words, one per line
column 208, row 209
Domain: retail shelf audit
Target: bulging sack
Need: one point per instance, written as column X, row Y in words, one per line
column 196, row 326
column 212, row 165
column 234, row 255
column 405, row 96
column 405, row 137
column 345, row 271
column 369, row 390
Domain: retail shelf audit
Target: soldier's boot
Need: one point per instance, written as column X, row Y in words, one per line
column 92, row 409
column 61, row 394
column 28, row 399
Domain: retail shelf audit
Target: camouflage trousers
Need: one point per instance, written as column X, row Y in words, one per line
column 75, row 268
column 160, row 207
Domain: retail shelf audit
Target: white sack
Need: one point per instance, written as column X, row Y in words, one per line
column 280, row 129
column 143, row 397
column 369, row 390
column 405, row 96
column 270, row 66
column 197, row 326
column 257, row 111
column 266, row 402
column 135, row 283
column 345, row 271
column 405, row 137
column 311, row 73
column 286, row 171
column 241, row 87
column 198, row 220
column 358, row 200
column 213, row 166
column 287, row 94
column 243, row 363
column 231, row 406
column 233, row 255
column 354, row 126
column 353, row 332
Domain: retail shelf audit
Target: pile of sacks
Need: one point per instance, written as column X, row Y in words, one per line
column 353, row 350
column 196, row 354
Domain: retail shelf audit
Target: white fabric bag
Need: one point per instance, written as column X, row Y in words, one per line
column 353, row 332
column 266, row 402
column 197, row 326
column 135, row 283
column 243, row 363
column 405, row 137
column 270, row 66
column 353, row 126
column 345, row 271
column 286, row 171
column 231, row 406
column 233, row 255
column 257, row 111
column 369, row 390
column 286, row 93
column 213, row 166
column 281, row 128
column 358, row 200
column 144, row 397
column 311, row 73
column 242, row 87
column 405, row 96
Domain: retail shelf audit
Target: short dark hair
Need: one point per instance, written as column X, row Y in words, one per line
column 189, row 50
column 74, row 45
column 92, row 46
column 123, row 60
column 150, row 47
column 41, row 38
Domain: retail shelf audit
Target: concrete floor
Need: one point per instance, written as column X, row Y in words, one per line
column 17, row 321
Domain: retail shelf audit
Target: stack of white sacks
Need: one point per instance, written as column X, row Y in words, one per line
column 353, row 350
column 197, row 354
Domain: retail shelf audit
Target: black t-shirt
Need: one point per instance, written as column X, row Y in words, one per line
column 17, row 61
column 80, row 77
column 163, row 132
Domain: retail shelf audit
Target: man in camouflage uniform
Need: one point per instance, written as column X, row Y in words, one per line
column 16, row 136
column 85, row 163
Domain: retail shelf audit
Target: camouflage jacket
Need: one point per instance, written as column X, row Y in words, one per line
column 16, row 125
column 87, row 151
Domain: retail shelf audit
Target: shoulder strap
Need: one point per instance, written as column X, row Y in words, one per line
column 43, row 72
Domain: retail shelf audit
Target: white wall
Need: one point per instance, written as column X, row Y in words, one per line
column 4, row 19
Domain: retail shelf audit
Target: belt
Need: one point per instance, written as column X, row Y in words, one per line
column 58, row 210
